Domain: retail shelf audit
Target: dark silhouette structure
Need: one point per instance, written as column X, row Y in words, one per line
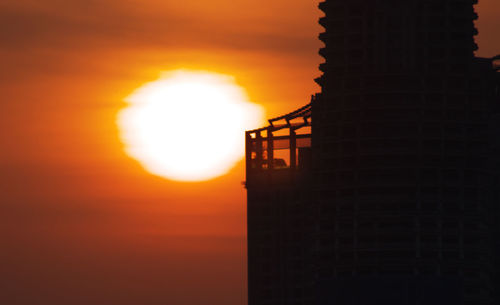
column 393, row 197
column 280, row 217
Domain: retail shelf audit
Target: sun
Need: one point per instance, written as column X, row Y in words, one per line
column 188, row 125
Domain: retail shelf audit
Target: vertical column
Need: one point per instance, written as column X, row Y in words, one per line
column 270, row 149
column 293, row 149
column 248, row 152
column 258, row 150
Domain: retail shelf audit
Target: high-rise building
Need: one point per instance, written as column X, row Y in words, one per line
column 392, row 197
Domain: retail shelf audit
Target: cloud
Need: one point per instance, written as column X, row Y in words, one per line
column 112, row 24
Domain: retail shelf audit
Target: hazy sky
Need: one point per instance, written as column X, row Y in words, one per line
column 80, row 221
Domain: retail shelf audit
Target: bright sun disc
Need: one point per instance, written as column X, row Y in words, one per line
column 188, row 125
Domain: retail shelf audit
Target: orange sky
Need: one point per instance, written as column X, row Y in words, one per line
column 81, row 222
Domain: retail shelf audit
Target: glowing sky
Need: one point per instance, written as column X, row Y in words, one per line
column 83, row 223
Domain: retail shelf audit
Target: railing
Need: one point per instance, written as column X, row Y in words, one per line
column 284, row 144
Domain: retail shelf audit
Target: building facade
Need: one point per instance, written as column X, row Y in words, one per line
column 397, row 198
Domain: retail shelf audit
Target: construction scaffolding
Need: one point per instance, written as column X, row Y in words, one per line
column 284, row 145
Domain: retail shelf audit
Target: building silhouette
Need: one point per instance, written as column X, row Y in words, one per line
column 385, row 188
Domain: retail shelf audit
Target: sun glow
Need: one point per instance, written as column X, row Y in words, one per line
column 188, row 125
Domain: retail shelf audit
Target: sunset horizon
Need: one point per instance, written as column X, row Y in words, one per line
column 95, row 209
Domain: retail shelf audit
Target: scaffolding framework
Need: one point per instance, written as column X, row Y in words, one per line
column 290, row 134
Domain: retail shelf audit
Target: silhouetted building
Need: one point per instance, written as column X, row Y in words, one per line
column 278, row 165
column 396, row 198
